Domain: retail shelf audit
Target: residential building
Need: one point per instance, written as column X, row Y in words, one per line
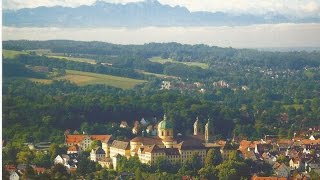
column 97, row 154
column 73, row 149
column 105, row 162
column 14, row 175
column 120, row 147
column 295, row 163
column 68, row 160
column 281, row 170
column 255, row 177
column 83, row 141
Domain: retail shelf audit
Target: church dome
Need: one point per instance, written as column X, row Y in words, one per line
column 165, row 124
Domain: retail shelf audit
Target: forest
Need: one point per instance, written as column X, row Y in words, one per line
column 268, row 93
column 278, row 82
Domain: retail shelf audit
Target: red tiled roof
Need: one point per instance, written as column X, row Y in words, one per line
column 73, row 148
column 72, row 170
column 308, row 141
column 285, row 141
column 76, row 138
column 244, row 145
column 151, row 149
column 10, row 168
column 39, row 170
column 268, row 178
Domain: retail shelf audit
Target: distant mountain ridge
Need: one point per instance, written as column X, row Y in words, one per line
column 139, row 14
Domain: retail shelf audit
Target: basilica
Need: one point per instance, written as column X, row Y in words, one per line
column 164, row 143
column 174, row 148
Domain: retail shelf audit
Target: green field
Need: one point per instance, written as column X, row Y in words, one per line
column 41, row 51
column 157, row 75
column 86, row 78
column 11, row 54
column 162, row 61
column 295, row 106
column 86, row 60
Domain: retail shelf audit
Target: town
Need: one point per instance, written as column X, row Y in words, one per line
column 295, row 158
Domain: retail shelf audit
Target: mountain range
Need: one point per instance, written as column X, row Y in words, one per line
column 137, row 14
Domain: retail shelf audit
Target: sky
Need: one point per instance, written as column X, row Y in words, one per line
column 297, row 8
column 253, row 36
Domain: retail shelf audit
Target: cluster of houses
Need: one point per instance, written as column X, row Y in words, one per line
column 197, row 86
column 16, row 172
column 183, row 86
column 302, row 155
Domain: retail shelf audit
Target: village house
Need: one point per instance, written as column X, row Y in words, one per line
column 14, row 175
column 269, row 158
column 124, row 124
column 284, row 144
column 249, row 155
column 314, row 137
column 221, row 83
column 281, row 170
column 83, row 141
column 152, row 130
column 166, row 85
column 255, row 177
column 120, row 147
column 73, row 149
column 262, row 148
column 313, row 164
column 248, row 145
column 115, row 160
column 295, row 163
column 67, row 160
column 97, row 154
column 227, row 149
column 105, row 162
column 136, row 127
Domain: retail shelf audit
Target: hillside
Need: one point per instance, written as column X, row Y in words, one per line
column 247, row 92
column 86, row 78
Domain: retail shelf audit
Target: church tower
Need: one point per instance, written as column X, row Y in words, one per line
column 208, row 134
column 196, row 127
column 165, row 128
column 165, row 132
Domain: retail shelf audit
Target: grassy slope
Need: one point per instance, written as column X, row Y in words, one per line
column 79, row 77
column 11, row 54
column 86, row 78
column 157, row 75
column 90, row 61
column 162, row 61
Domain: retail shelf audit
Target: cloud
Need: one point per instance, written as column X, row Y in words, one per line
column 253, row 36
column 286, row 7
column 18, row 4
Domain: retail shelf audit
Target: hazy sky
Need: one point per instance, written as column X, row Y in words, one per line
column 288, row 7
column 254, row 36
